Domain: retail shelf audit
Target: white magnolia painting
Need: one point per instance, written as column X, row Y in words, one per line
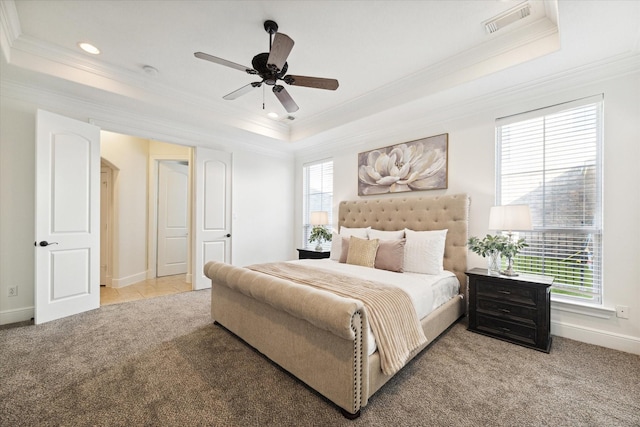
column 411, row 166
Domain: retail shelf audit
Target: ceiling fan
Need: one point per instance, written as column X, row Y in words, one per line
column 272, row 66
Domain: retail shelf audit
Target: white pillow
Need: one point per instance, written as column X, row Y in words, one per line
column 424, row 251
column 336, row 246
column 336, row 243
column 361, row 233
column 386, row 235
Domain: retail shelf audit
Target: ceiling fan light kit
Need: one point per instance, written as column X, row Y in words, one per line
column 270, row 67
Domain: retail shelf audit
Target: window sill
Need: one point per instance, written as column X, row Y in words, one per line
column 584, row 309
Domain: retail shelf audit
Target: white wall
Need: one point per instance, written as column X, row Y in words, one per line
column 262, row 209
column 259, row 235
column 17, row 204
column 471, row 170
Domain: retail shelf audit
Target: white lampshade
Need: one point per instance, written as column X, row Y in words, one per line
column 319, row 218
column 510, row 218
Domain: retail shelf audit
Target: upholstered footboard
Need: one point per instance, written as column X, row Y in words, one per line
column 316, row 336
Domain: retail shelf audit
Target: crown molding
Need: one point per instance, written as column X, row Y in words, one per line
column 35, row 55
column 9, row 26
column 115, row 119
column 425, row 114
column 496, row 53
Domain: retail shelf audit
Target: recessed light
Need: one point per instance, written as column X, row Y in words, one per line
column 273, row 115
column 89, row 48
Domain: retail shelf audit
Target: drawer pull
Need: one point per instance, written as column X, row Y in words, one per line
column 505, row 292
column 504, row 310
column 505, row 329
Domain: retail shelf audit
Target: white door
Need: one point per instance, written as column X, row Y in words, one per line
column 67, row 252
column 212, row 211
column 173, row 223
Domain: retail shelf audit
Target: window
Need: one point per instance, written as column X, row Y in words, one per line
column 551, row 159
column 317, row 196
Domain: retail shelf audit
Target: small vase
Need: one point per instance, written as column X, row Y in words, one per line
column 493, row 263
column 319, row 247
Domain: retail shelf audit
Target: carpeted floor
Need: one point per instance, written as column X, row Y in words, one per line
column 161, row 362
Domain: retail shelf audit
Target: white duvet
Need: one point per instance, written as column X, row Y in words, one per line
column 427, row 292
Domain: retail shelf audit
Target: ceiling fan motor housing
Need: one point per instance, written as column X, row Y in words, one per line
column 269, row 76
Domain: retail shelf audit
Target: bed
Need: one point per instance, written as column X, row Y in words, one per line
column 322, row 338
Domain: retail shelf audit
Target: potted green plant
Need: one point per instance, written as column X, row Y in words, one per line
column 510, row 250
column 319, row 234
column 494, row 247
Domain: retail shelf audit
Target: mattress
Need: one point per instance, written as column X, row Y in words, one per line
column 427, row 292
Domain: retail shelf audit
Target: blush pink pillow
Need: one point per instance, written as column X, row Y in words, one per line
column 390, row 255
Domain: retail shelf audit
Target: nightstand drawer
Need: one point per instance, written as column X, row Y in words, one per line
column 505, row 310
column 510, row 330
column 506, row 292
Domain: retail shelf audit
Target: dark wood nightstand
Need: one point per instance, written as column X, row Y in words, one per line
column 515, row 309
column 311, row 254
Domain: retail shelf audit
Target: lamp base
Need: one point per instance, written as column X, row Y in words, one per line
column 509, row 273
column 509, row 270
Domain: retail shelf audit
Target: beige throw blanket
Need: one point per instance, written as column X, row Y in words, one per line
column 391, row 313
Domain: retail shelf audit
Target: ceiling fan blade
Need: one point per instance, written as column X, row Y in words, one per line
column 282, row 45
column 315, row 82
column 239, row 92
column 285, row 99
column 224, row 62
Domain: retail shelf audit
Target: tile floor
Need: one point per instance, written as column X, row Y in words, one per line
column 147, row 289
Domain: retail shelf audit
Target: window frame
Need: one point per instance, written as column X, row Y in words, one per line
column 326, row 203
column 567, row 292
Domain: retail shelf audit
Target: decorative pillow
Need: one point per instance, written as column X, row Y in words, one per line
column 336, row 243
column 362, row 252
column 390, row 255
column 345, row 249
column 386, row 235
column 424, row 251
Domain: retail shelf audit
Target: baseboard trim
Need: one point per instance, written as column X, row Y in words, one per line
column 129, row 280
column 612, row 340
column 17, row 315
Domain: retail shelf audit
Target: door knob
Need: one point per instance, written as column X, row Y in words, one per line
column 228, row 235
column 45, row 243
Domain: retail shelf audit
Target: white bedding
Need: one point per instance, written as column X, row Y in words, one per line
column 427, row 291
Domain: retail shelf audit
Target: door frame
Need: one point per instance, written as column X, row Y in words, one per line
column 152, row 240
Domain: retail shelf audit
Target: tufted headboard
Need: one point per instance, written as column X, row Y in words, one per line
column 419, row 214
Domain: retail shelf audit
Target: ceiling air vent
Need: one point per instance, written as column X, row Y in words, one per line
column 509, row 17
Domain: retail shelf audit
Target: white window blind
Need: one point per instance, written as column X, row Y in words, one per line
column 317, row 196
column 551, row 159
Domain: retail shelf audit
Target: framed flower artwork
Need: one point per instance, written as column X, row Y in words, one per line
column 410, row 166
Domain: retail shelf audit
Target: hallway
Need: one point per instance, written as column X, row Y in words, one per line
column 146, row 289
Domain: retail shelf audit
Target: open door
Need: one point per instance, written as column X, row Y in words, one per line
column 67, row 249
column 212, row 212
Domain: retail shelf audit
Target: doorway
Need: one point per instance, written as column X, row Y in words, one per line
column 72, row 242
column 131, row 215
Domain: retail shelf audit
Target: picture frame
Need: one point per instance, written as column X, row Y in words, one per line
column 410, row 166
